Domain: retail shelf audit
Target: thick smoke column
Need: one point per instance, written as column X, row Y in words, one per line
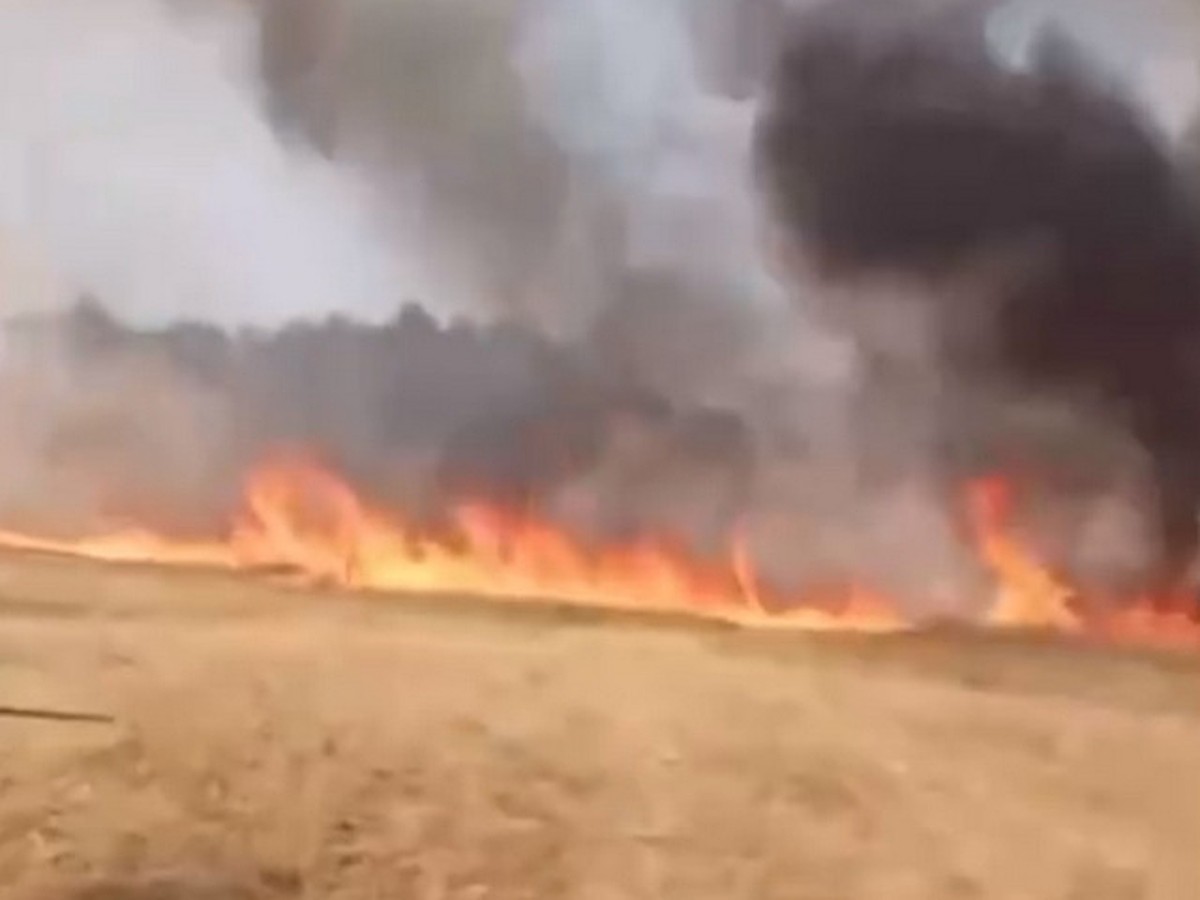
column 896, row 144
column 574, row 165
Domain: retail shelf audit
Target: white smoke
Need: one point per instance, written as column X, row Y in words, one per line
column 618, row 84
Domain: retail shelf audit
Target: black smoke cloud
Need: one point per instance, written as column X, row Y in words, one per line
column 896, row 143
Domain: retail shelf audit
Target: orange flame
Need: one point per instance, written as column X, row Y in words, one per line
column 1031, row 596
column 300, row 517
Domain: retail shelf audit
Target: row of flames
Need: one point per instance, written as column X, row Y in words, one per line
column 299, row 517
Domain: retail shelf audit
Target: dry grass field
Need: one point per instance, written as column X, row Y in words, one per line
column 271, row 744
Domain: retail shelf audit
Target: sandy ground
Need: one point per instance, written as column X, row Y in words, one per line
column 268, row 744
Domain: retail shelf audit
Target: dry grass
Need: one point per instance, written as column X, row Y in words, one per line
column 279, row 746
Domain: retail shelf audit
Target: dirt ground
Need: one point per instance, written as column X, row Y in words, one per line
column 269, row 744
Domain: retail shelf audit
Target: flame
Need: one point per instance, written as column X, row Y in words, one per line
column 299, row 517
column 1031, row 596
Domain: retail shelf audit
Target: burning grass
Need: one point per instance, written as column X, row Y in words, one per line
column 301, row 518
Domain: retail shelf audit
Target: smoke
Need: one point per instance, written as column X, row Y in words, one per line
column 1151, row 48
column 159, row 426
column 1040, row 214
column 246, row 203
column 619, row 86
column 253, row 193
column 240, row 163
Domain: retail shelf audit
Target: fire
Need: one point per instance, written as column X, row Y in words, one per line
column 299, row 517
column 1031, row 596
column 1028, row 595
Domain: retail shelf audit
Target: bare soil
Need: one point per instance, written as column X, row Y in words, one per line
column 267, row 744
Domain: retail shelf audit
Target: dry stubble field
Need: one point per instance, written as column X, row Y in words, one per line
column 269, row 744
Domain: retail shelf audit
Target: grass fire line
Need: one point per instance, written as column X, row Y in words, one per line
column 300, row 517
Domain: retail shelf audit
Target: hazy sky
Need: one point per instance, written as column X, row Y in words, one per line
column 135, row 165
